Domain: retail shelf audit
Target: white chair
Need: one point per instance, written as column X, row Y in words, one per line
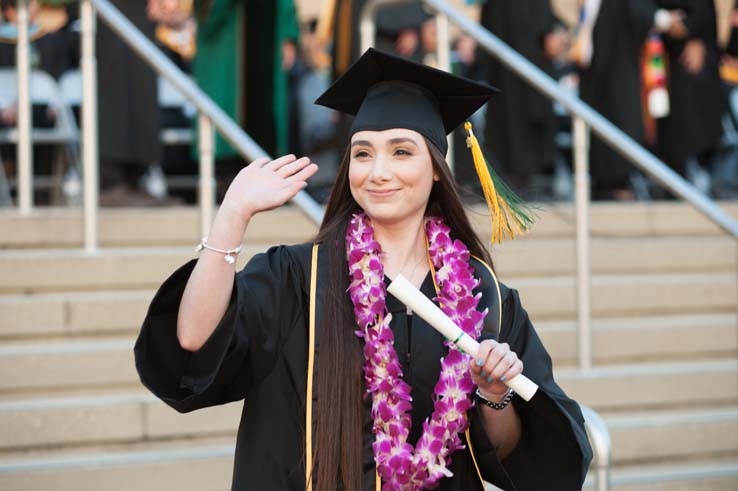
column 170, row 97
column 44, row 91
column 70, row 87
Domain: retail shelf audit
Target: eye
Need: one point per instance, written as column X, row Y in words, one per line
column 403, row 152
column 359, row 154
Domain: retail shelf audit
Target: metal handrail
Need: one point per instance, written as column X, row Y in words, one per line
column 599, row 438
column 611, row 134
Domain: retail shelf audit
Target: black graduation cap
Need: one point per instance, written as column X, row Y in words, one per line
column 384, row 91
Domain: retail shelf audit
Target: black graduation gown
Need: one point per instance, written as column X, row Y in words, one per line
column 54, row 52
column 259, row 352
column 696, row 101
column 390, row 21
column 520, row 123
column 128, row 113
column 612, row 83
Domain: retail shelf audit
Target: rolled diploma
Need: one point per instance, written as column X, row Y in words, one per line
column 406, row 292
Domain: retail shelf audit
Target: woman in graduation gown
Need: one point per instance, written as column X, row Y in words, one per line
column 282, row 333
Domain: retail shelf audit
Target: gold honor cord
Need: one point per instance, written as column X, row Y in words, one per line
column 310, row 370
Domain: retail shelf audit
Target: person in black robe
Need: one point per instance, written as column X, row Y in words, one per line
column 397, row 29
column 731, row 48
column 519, row 132
column 611, row 84
column 696, row 97
column 128, row 120
column 212, row 335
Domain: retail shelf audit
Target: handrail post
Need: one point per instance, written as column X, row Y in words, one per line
column 206, row 141
column 582, row 183
column 599, row 437
column 24, row 121
column 88, row 64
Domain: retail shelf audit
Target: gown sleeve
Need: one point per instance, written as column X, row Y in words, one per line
column 266, row 303
column 553, row 452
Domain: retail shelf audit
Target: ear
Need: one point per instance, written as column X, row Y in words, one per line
column 436, row 178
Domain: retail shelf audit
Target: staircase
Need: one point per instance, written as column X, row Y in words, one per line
column 73, row 415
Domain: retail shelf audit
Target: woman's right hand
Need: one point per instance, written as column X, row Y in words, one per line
column 264, row 185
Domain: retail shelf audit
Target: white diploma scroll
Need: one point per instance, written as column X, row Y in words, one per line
column 406, row 292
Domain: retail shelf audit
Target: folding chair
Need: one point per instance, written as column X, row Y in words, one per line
column 44, row 91
column 70, row 89
column 171, row 98
column 175, row 106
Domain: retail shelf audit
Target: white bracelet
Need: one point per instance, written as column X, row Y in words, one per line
column 230, row 254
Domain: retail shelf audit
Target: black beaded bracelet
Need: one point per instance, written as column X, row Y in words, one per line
column 495, row 405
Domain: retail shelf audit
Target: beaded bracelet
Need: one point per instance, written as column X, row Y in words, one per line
column 230, row 254
column 496, row 405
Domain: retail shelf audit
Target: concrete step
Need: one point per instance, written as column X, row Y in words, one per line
column 118, row 268
column 62, row 227
column 202, row 465
column 702, row 475
column 625, row 255
column 653, row 385
column 69, row 416
column 75, row 318
column 692, row 475
column 73, row 313
column 609, row 219
column 108, row 362
column 63, row 358
column 96, row 418
column 630, row 295
column 643, row 437
column 658, row 338
column 206, row 463
column 552, row 298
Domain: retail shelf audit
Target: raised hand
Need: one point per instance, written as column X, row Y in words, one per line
column 266, row 184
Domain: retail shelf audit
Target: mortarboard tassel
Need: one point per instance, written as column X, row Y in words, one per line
column 509, row 214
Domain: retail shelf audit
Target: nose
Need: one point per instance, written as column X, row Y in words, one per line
column 381, row 170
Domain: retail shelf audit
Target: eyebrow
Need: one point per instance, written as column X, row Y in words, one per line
column 393, row 141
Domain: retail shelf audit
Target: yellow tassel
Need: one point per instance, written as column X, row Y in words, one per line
column 505, row 221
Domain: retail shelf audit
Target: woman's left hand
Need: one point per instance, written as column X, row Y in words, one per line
column 494, row 364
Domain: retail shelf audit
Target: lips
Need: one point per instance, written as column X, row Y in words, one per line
column 382, row 192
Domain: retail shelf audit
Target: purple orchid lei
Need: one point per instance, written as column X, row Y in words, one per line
column 402, row 467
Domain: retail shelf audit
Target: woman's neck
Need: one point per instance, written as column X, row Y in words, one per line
column 403, row 249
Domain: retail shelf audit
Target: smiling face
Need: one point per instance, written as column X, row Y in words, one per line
column 391, row 174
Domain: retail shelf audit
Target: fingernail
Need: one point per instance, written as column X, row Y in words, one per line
column 503, row 378
column 490, row 379
column 480, row 362
column 483, row 374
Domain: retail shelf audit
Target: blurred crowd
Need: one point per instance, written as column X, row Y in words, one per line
column 655, row 68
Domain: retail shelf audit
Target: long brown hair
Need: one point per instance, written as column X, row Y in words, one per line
column 340, row 410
